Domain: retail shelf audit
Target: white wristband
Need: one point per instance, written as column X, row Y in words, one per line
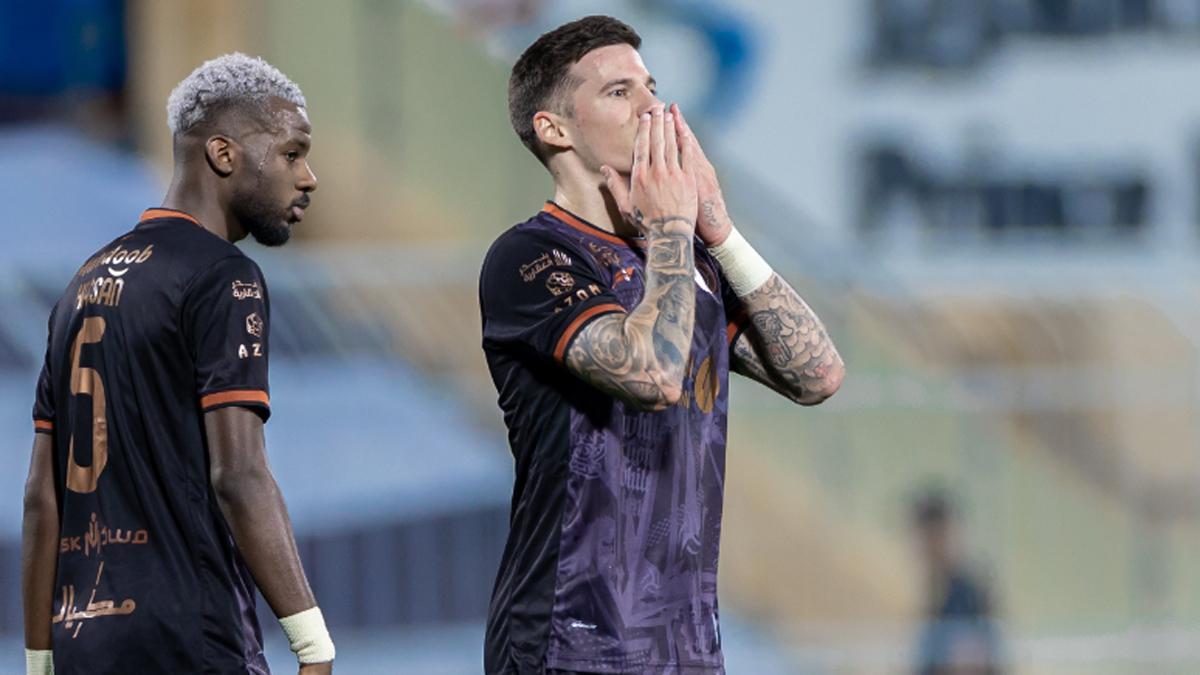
column 744, row 268
column 308, row 636
column 39, row 662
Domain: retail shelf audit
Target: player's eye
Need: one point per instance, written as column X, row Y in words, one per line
column 618, row 92
column 292, row 155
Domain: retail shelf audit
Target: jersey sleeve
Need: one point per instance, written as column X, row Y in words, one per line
column 43, row 402
column 226, row 318
column 536, row 295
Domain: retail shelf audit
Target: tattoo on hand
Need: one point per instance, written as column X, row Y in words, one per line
column 711, row 216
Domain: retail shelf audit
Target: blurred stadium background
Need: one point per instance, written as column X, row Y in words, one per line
column 994, row 204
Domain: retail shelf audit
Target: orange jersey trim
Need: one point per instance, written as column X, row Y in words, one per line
column 581, row 225
column 737, row 325
column 560, row 349
column 236, row 396
column 151, row 214
column 43, row 425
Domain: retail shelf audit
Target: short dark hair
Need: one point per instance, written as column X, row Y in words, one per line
column 540, row 79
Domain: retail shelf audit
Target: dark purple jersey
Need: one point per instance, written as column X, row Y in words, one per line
column 611, row 561
column 162, row 324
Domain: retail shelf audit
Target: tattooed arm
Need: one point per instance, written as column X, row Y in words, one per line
column 640, row 357
column 786, row 347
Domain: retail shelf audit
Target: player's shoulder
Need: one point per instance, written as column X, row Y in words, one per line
column 174, row 244
column 229, row 269
column 198, row 255
column 527, row 242
column 530, row 234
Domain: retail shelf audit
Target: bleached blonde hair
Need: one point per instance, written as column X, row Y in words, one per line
column 231, row 79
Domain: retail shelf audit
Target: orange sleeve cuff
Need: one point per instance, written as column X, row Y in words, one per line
column 235, row 396
column 560, row 350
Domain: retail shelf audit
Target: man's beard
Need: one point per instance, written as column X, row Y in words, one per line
column 261, row 218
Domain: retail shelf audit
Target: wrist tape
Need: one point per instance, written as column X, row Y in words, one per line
column 308, row 637
column 39, row 662
column 744, row 268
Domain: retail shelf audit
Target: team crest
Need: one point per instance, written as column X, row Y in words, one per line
column 254, row 325
column 560, row 282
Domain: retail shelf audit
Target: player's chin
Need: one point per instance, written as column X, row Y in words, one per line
column 276, row 234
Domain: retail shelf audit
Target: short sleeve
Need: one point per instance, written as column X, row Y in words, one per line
column 226, row 318
column 536, row 295
column 43, row 402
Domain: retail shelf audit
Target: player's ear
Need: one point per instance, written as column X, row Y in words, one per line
column 552, row 130
column 222, row 153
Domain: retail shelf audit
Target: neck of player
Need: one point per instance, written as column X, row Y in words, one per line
column 585, row 195
column 202, row 202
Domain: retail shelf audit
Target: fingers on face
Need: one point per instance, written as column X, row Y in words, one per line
column 681, row 124
column 670, row 141
column 641, row 144
column 688, row 149
column 681, row 128
column 657, row 151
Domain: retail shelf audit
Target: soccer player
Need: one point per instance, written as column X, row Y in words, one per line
column 150, row 511
column 611, row 320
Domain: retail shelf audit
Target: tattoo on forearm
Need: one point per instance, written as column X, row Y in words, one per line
column 747, row 362
column 663, row 222
column 609, row 350
column 787, row 347
column 669, row 255
column 640, row 357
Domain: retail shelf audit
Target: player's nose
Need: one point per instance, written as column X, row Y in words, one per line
column 647, row 100
column 650, row 105
column 309, row 182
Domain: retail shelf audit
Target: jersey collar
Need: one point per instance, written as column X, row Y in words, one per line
column 157, row 213
column 582, row 225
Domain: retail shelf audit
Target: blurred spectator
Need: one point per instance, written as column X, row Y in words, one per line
column 959, row 636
